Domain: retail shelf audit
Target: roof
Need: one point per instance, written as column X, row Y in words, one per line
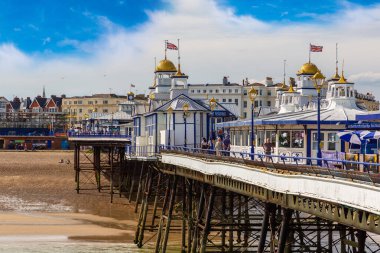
column 41, row 101
column 178, row 102
column 120, row 115
column 215, row 84
column 375, row 115
column 334, row 115
column 100, row 96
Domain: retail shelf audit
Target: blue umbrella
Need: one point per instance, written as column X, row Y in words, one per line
column 365, row 135
column 350, row 136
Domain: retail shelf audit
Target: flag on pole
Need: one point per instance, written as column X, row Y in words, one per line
column 171, row 46
column 133, row 86
column 314, row 48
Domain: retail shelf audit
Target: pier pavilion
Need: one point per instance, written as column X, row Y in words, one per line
column 293, row 131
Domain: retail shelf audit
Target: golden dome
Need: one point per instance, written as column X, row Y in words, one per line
column 130, row 93
column 166, row 66
column 308, row 69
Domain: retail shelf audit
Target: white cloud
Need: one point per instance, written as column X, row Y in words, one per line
column 214, row 42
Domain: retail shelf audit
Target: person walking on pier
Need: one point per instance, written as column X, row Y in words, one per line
column 204, row 145
column 219, row 147
column 227, row 146
column 268, row 149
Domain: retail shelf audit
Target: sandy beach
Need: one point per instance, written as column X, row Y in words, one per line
column 38, row 200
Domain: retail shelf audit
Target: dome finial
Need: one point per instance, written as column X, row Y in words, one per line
column 342, row 79
column 291, row 89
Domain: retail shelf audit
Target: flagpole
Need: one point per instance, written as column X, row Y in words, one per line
column 166, row 47
column 179, row 57
column 336, row 57
column 309, row 51
column 284, row 72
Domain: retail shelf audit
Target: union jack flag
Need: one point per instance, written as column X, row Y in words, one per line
column 171, row 46
column 314, row 48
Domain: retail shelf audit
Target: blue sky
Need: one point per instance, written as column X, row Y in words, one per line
column 53, row 26
column 81, row 47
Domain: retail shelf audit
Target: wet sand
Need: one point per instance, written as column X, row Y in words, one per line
column 38, row 200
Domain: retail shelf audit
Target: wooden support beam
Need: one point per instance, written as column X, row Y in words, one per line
column 206, row 230
column 286, row 217
column 194, row 245
column 139, row 187
column 170, row 211
column 264, row 228
column 184, row 218
column 189, row 214
column 161, row 225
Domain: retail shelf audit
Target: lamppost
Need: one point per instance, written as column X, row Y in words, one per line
column 170, row 112
column 319, row 79
column 185, row 115
column 212, row 104
column 252, row 96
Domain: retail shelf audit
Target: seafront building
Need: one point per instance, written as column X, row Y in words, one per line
column 79, row 108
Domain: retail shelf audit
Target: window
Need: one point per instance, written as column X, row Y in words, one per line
column 284, row 139
column 256, row 103
column 96, row 101
column 204, row 91
column 75, row 102
column 245, row 115
column 245, row 92
column 199, row 91
column 332, row 140
column 236, row 101
column 210, row 91
column 90, row 102
column 298, row 139
column 271, row 135
column 80, row 102
column 269, row 93
column 216, row 91
column 269, row 103
column 105, row 102
column 192, row 91
column 236, row 90
column 105, row 110
column 229, row 91
column 224, row 100
column 80, row 110
column 261, row 103
column 224, row 91
column 230, row 100
column 315, row 141
column 260, row 138
column 261, row 92
column 69, row 102
column 245, row 104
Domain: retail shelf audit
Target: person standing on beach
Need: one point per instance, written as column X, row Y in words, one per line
column 268, row 149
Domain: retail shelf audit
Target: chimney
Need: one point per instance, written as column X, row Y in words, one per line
column 225, row 80
column 63, row 96
column 268, row 81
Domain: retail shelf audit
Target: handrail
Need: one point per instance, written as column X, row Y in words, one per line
column 97, row 135
column 246, row 158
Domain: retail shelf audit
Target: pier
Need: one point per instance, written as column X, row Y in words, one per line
column 232, row 203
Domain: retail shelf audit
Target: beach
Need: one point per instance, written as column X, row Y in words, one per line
column 39, row 204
